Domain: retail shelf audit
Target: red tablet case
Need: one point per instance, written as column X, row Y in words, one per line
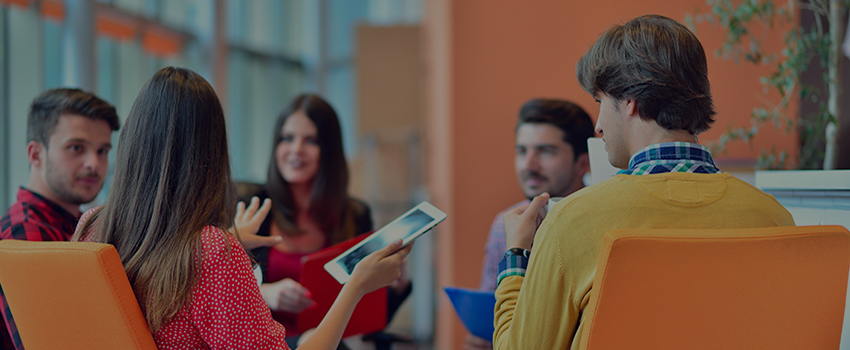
column 369, row 316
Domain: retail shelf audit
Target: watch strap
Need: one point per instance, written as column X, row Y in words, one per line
column 514, row 263
column 518, row 251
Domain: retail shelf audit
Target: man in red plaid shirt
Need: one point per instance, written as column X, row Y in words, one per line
column 69, row 133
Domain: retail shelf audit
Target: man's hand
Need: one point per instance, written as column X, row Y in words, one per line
column 247, row 222
column 521, row 222
column 475, row 343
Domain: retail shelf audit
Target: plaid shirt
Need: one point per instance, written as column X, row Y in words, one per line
column 668, row 157
column 33, row 218
column 671, row 157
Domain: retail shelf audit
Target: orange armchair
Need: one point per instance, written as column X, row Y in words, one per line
column 765, row 288
column 71, row 295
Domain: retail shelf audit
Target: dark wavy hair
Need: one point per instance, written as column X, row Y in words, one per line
column 172, row 178
column 565, row 115
column 657, row 62
column 329, row 197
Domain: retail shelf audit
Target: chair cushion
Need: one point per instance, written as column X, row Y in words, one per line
column 765, row 288
column 71, row 295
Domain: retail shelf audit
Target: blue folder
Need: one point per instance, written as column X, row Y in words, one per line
column 475, row 309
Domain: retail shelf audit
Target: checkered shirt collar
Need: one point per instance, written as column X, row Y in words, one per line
column 668, row 157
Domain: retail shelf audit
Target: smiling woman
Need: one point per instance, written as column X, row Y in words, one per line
column 297, row 154
column 308, row 174
column 308, row 187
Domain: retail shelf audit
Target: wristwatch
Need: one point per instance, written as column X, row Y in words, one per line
column 519, row 252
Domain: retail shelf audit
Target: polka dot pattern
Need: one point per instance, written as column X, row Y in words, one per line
column 226, row 310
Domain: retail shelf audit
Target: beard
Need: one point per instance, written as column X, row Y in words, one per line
column 62, row 185
column 557, row 188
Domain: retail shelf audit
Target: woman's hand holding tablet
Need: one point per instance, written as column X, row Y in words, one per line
column 406, row 227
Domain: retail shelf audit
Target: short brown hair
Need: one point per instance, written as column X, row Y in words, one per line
column 573, row 121
column 659, row 63
column 49, row 105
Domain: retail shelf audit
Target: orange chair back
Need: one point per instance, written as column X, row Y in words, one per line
column 766, row 288
column 71, row 295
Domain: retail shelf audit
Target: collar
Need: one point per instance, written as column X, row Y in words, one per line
column 671, row 157
column 37, row 200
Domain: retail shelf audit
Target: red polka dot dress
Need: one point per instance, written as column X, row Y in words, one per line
column 226, row 310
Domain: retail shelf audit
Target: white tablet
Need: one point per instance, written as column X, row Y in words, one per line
column 408, row 227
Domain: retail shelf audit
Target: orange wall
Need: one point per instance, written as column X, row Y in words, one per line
column 483, row 60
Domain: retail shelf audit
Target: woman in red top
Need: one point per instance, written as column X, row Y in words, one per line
column 310, row 208
column 168, row 206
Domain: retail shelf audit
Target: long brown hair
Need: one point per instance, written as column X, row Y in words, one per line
column 172, row 178
column 329, row 195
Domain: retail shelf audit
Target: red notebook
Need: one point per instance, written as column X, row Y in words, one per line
column 369, row 316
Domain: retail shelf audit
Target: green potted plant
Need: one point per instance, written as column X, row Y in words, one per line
column 744, row 23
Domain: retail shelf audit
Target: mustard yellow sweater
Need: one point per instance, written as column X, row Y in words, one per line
column 544, row 309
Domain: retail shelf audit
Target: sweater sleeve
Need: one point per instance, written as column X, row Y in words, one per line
column 227, row 309
column 542, row 316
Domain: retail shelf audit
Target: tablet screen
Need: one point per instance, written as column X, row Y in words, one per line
column 400, row 229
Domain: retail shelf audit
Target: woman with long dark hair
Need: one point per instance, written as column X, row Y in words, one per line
column 167, row 213
column 307, row 188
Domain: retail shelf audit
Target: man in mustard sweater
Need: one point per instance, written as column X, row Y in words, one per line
column 650, row 79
